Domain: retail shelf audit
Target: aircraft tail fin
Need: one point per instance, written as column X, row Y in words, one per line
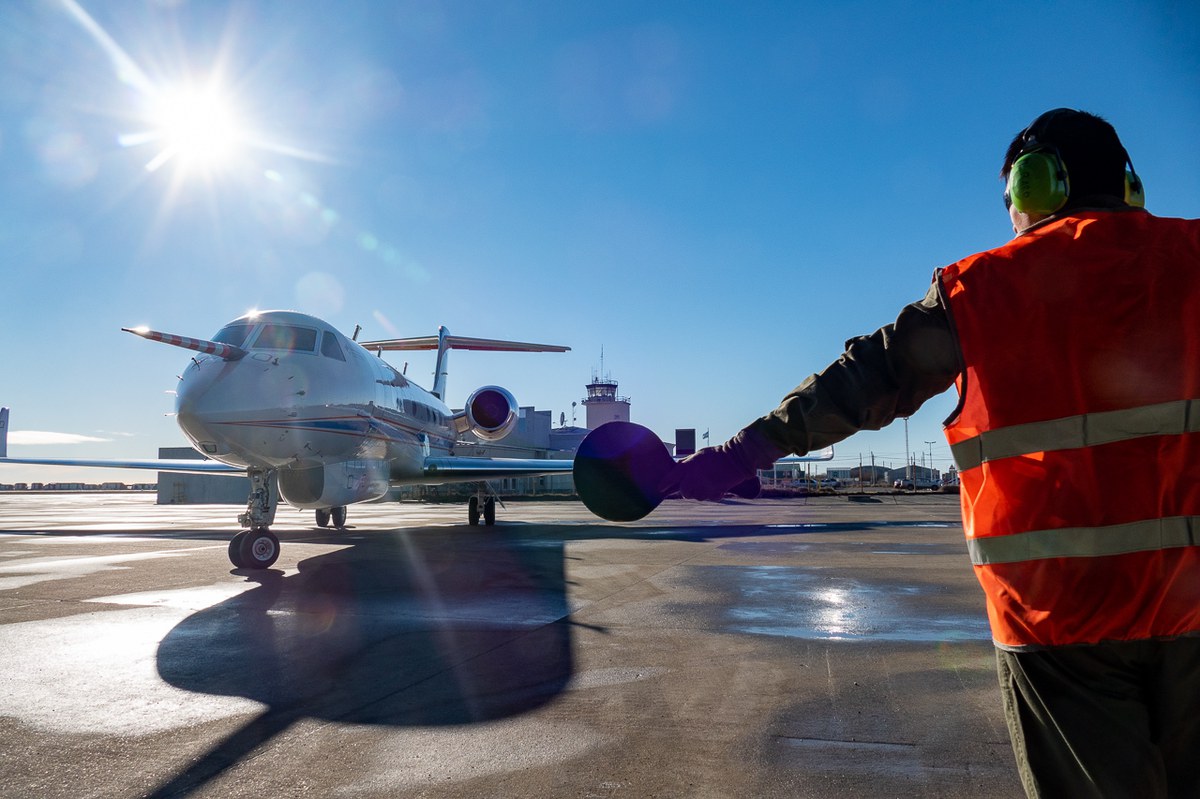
column 441, row 369
column 227, row 352
column 3, row 432
column 443, row 342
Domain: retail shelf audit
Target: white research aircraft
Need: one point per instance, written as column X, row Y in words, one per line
column 283, row 397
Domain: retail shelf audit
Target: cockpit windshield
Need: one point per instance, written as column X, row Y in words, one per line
column 286, row 337
column 233, row 334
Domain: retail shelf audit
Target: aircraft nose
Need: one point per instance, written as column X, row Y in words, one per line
column 194, row 406
column 242, row 411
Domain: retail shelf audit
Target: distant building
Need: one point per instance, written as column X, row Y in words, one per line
column 565, row 440
column 602, row 402
column 178, row 488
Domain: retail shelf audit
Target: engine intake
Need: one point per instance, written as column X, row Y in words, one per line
column 490, row 414
column 334, row 484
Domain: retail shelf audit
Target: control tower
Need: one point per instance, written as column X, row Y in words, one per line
column 602, row 402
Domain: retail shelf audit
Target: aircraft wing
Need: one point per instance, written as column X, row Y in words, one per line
column 456, row 468
column 152, row 464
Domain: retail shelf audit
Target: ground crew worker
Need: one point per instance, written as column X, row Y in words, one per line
column 1075, row 349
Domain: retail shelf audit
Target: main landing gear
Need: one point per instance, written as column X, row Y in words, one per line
column 335, row 515
column 489, row 509
column 257, row 547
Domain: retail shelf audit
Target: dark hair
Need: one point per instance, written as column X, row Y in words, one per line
column 1088, row 145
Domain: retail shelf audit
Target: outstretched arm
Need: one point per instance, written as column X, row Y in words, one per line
column 879, row 377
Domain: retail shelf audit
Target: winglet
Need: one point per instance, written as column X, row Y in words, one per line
column 3, row 432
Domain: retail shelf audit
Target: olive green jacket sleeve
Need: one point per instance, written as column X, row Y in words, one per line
column 879, row 377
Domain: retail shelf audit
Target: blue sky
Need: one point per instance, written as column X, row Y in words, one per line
column 716, row 194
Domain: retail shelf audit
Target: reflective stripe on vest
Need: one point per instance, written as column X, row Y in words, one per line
column 1086, row 542
column 1087, row 430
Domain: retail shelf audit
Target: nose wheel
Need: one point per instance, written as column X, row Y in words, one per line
column 254, row 549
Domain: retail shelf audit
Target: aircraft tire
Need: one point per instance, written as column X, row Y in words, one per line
column 322, row 517
column 259, row 549
column 235, row 549
column 473, row 511
column 338, row 516
column 489, row 511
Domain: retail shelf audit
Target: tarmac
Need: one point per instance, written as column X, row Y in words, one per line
column 825, row 647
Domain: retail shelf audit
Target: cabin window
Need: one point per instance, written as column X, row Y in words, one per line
column 234, row 335
column 286, row 337
column 330, row 347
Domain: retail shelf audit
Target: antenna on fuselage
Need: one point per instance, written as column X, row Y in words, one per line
column 357, row 330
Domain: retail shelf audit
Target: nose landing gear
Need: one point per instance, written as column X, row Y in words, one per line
column 254, row 549
column 258, row 547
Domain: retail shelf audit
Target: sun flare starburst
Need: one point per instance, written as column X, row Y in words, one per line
column 199, row 127
column 195, row 128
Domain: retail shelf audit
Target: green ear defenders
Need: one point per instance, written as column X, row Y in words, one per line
column 1038, row 182
column 1135, row 195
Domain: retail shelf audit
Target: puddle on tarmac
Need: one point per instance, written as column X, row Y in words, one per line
column 808, row 603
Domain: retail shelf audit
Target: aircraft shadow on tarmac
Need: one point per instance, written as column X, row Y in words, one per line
column 401, row 628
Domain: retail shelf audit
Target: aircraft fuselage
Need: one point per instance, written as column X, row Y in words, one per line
column 305, row 397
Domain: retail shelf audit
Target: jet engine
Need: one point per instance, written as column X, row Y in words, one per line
column 334, row 484
column 491, row 414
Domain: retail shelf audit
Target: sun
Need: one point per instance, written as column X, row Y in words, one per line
column 195, row 128
column 199, row 127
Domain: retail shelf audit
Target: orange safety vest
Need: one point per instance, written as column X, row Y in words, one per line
column 1078, row 431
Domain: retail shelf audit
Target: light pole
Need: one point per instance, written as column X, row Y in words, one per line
column 930, row 443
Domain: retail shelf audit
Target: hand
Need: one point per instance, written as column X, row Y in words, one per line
column 710, row 474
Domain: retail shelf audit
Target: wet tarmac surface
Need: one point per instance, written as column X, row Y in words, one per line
column 767, row 648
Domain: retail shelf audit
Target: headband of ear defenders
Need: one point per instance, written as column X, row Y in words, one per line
column 1038, row 181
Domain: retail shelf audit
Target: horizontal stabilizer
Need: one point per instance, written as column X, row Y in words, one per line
column 443, row 342
column 461, row 343
column 227, row 352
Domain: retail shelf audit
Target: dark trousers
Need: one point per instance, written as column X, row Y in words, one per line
column 1111, row 720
